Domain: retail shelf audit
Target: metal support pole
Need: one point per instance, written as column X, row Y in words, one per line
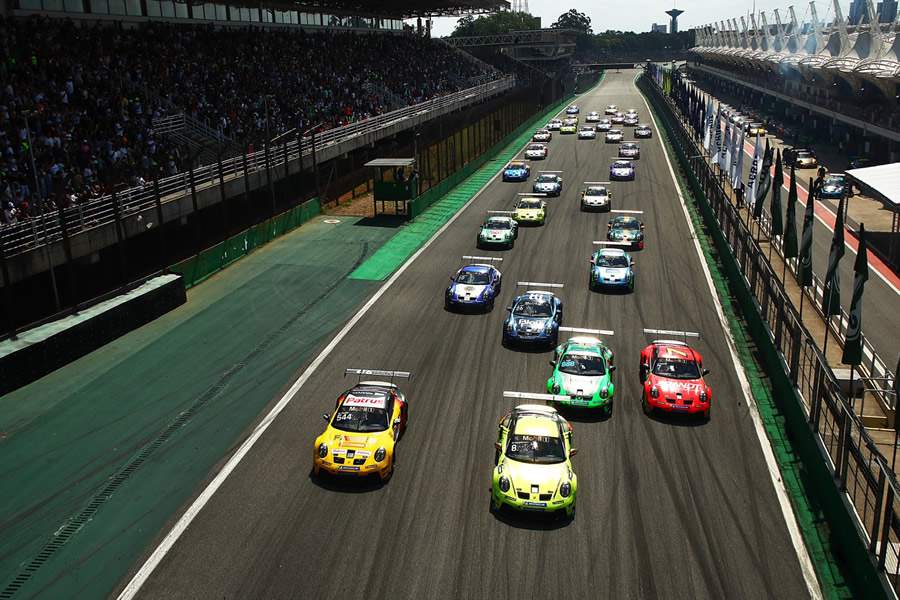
column 120, row 238
column 222, row 193
column 269, row 176
column 67, row 248
column 159, row 217
column 315, row 160
column 49, row 256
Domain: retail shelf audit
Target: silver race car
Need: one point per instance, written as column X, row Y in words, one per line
column 603, row 125
column 630, row 150
column 542, row 135
column 548, row 182
column 587, row 133
column 592, row 117
column 596, row 196
column 643, row 131
column 536, row 151
column 613, row 136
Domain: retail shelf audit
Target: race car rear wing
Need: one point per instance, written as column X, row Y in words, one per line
column 536, row 283
column 540, row 194
column 628, row 212
column 673, row 332
column 609, row 243
column 596, row 183
column 530, row 396
column 360, row 373
column 501, row 212
column 550, row 171
column 588, row 331
column 487, row 258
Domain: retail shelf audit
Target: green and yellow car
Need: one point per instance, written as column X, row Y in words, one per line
column 530, row 210
column 582, row 374
column 533, row 469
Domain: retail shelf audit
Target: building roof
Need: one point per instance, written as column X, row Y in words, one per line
column 883, row 180
column 387, row 8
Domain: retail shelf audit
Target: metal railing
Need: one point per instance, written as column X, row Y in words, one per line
column 860, row 470
column 36, row 232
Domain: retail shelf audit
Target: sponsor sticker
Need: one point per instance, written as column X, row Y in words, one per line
column 378, row 401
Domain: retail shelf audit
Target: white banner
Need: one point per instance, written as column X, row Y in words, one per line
column 708, row 126
column 717, row 133
column 738, row 163
column 724, row 147
column 753, row 178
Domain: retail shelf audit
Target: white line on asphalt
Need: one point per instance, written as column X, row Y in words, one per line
column 159, row 553
column 806, row 567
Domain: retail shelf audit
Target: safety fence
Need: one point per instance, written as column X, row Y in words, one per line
column 197, row 268
column 54, row 226
column 852, row 458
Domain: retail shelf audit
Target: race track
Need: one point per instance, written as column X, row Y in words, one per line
column 666, row 508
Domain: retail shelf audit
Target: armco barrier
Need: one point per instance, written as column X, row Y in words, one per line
column 200, row 266
column 833, row 452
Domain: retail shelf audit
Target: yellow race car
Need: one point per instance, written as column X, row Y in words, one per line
column 530, row 210
column 363, row 430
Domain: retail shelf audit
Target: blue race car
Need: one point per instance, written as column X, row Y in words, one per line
column 516, row 171
column 534, row 318
column 621, row 170
column 833, row 186
column 572, row 110
column 474, row 286
column 611, row 268
column 547, row 183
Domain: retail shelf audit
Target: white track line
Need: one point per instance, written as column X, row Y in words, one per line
column 806, row 567
column 143, row 574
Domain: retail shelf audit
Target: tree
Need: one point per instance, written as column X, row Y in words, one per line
column 501, row 22
column 574, row 20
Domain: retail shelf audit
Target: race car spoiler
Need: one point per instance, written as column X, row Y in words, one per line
column 550, row 171
column 538, row 283
column 589, row 331
column 487, row 258
column 501, row 212
column 628, row 212
column 539, row 194
column 596, row 183
column 379, row 372
column 609, row 243
column 675, row 332
column 530, row 396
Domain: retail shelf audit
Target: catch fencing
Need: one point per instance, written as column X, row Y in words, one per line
column 859, row 469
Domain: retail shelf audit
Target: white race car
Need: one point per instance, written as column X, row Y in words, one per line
column 554, row 125
column 536, row 151
column 592, row 117
column 595, row 197
column 612, row 109
column 542, row 135
column 613, row 136
column 587, row 133
column 604, row 125
column 618, row 118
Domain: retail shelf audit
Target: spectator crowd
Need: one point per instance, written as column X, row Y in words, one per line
column 83, row 98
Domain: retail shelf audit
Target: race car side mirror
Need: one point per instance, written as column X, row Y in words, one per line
column 497, row 446
column 573, row 452
column 705, row 371
column 326, row 417
column 552, row 363
column 509, row 309
column 397, row 422
column 612, row 368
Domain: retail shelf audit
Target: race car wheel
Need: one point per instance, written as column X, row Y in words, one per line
column 648, row 410
column 510, row 245
column 706, row 415
column 490, row 305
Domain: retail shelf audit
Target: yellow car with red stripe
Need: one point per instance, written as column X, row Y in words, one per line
column 362, row 432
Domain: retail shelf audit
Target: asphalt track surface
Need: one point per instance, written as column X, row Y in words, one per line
column 667, row 508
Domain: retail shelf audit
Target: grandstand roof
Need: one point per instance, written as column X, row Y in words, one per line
column 387, row 8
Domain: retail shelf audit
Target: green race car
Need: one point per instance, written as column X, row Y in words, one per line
column 582, row 371
column 533, row 469
column 498, row 231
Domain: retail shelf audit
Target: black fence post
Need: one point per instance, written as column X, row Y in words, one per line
column 8, row 299
column 67, row 249
column 120, row 238
column 315, row 160
column 222, row 198
column 159, row 217
column 269, row 177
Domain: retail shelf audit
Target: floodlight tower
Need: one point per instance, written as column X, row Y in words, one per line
column 673, row 23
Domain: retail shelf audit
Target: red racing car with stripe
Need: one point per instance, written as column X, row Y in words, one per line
column 672, row 375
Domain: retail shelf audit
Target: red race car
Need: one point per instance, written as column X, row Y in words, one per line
column 672, row 375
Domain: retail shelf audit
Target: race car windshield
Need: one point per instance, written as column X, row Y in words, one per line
column 614, row 261
column 834, row 180
column 676, row 369
column 498, row 225
column 515, row 166
column 536, row 449
column 473, row 278
column 621, row 165
column 803, row 154
column 596, row 192
column 628, row 224
column 546, row 179
column 360, row 418
column 535, row 147
column 582, row 364
column 529, row 204
column 628, row 146
column 532, row 308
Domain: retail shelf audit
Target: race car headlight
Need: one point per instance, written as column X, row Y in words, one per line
column 604, row 393
column 380, row 454
column 323, row 450
column 504, row 483
column 548, row 327
column 555, row 388
column 486, row 293
column 509, row 326
column 702, row 396
column 565, row 489
column 654, row 392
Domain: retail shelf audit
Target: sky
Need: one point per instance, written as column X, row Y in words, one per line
column 606, row 14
